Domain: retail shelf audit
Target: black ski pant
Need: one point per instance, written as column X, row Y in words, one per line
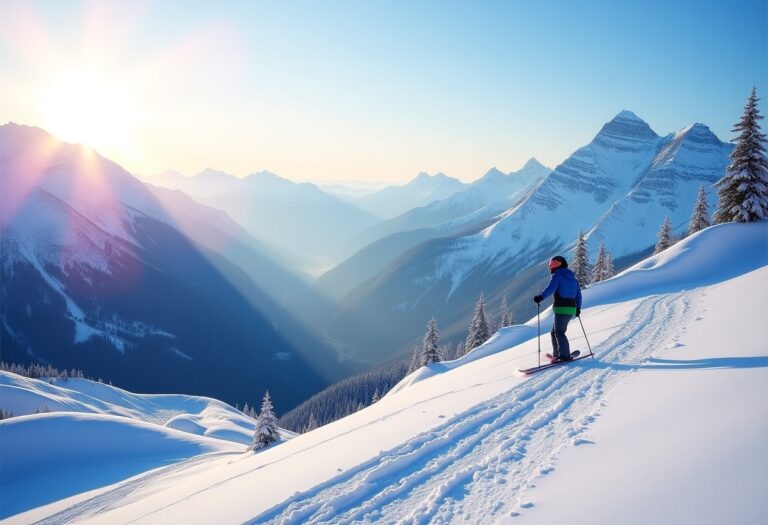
column 560, row 347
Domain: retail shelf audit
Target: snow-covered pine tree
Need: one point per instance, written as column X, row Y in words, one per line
column 246, row 409
column 376, row 396
column 665, row 237
column 415, row 363
column 431, row 343
column 479, row 331
column 505, row 318
column 600, row 268
column 312, row 423
column 266, row 431
column 610, row 271
column 743, row 191
column 700, row 216
column 580, row 263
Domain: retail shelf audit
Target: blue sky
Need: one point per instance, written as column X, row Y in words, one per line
column 372, row 90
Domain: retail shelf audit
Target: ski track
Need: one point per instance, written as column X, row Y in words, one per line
column 113, row 498
column 481, row 464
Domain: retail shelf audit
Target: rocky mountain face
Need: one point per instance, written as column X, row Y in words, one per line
column 133, row 287
column 618, row 189
column 382, row 244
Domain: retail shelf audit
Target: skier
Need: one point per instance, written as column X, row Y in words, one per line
column 567, row 304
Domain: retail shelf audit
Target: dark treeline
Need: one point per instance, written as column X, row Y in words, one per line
column 345, row 397
column 38, row 371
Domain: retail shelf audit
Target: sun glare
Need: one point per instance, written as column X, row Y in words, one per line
column 92, row 108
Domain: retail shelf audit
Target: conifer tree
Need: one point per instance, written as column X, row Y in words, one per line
column 505, row 318
column 610, row 271
column 665, row 237
column 415, row 363
column 600, row 269
column 266, row 431
column 743, row 191
column 376, row 396
column 700, row 216
column 580, row 263
column 479, row 331
column 431, row 343
column 312, row 423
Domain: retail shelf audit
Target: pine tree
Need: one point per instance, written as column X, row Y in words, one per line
column 266, row 431
column 415, row 363
column 479, row 331
column 312, row 423
column 600, row 269
column 609, row 270
column 700, row 216
column 580, row 263
column 376, row 396
column 431, row 343
column 505, row 319
column 743, row 191
column 665, row 237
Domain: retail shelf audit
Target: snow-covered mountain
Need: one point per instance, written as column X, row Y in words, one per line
column 205, row 184
column 377, row 247
column 646, row 432
column 493, row 187
column 131, row 282
column 422, row 190
column 299, row 219
column 618, row 188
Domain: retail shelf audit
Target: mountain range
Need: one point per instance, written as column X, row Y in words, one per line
column 617, row 189
column 380, row 245
column 104, row 273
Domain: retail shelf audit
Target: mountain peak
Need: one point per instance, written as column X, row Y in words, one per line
column 624, row 127
column 533, row 163
column 210, row 173
column 426, row 178
column 625, row 114
column 494, row 173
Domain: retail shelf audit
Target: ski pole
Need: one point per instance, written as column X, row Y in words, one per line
column 538, row 324
column 585, row 337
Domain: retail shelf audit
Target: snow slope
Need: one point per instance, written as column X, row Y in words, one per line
column 101, row 435
column 472, row 441
column 46, row 457
column 193, row 414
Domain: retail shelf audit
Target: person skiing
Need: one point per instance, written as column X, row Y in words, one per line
column 565, row 286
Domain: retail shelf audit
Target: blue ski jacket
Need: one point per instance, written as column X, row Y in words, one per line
column 565, row 286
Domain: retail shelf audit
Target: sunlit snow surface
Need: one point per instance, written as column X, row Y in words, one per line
column 666, row 425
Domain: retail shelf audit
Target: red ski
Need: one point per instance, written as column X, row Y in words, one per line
column 576, row 356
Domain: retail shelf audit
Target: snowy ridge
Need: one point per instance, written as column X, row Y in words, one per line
column 618, row 188
column 206, row 416
column 98, row 428
column 473, row 441
column 421, row 191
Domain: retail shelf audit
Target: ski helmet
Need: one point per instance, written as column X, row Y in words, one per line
column 558, row 261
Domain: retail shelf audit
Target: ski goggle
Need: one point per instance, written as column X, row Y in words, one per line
column 554, row 264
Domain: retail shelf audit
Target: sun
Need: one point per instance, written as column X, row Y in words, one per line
column 91, row 107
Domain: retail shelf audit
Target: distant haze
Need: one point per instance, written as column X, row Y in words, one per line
column 375, row 91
